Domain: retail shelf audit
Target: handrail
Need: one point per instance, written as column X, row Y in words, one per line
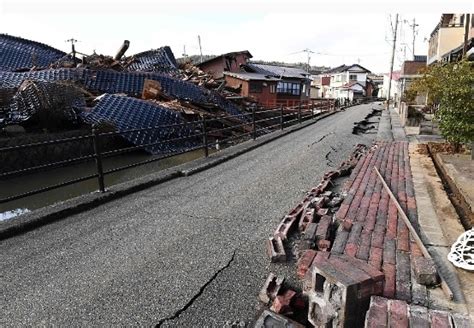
column 251, row 125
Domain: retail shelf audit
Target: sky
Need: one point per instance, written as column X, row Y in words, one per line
column 337, row 32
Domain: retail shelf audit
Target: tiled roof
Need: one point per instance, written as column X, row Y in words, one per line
column 277, row 71
column 252, row 76
column 345, row 68
column 126, row 113
column 17, row 53
column 158, row 60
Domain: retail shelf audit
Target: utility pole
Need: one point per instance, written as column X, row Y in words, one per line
column 392, row 60
column 467, row 24
column 414, row 36
column 200, row 49
column 308, row 52
column 73, row 48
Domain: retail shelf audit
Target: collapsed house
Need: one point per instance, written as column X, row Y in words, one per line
column 37, row 80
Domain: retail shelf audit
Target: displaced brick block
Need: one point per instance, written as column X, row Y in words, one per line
column 331, row 174
column 275, row 249
column 324, row 225
column 271, row 288
column 285, row 226
column 281, row 303
column 376, row 316
column 323, row 245
column 318, row 202
column 309, row 237
column 425, row 271
column 270, row 319
column 307, row 218
column 304, row 262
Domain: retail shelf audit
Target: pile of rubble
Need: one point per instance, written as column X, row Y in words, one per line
column 37, row 79
column 351, row 247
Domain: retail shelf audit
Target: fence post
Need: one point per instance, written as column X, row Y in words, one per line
column 299, row 113
column 312, row 109
column 281, row 117
column 204, row 136
column 98, row 159
column 254, row 127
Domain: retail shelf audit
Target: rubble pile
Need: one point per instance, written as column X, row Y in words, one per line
column 188, row 91
column 51, row 99
column 353, row 246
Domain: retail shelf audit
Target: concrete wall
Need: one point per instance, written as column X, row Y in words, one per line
column 443, row 41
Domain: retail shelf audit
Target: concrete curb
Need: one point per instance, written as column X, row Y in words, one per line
column 58, row 211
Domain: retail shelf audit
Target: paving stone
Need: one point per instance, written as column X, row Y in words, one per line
column 418, row 317
column 398, row 314
column 403, row 277
column 425, row 271
column 439, row 319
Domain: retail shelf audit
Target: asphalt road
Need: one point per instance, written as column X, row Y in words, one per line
column 187, row 253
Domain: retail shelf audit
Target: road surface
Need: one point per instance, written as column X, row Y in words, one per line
column 189, row 252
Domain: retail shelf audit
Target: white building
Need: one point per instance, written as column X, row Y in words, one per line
column 348, row 81
column 395, row 87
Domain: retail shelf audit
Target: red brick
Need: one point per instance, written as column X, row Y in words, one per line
column 398, row 314
column 324, row 225
column 281, row 304
column 439, row 319
column 403, row 237
column 390, row 277
column 322, row 211
column 271, row 288
column 377, row 314
column 347, row 224
column 415, row 250
column 304, row 262
column 351, row 249
column 375, row 257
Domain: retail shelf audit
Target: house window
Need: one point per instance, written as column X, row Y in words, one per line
column 272, row 88
column 288, row 88
column 255, row 87
column 353, row 77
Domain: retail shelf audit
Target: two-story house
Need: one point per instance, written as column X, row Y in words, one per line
column 293, row 86
column 348, row 81
column 446, row 42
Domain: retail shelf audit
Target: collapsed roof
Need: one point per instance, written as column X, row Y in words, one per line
column 18, row 54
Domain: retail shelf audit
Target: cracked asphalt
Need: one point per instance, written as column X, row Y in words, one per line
column 186, row 253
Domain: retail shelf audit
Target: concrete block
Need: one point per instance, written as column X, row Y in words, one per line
column 285, row 226
column 281, row 303
column 271, row 288
column 270, row 319
column 275, row 249
column 425, row 271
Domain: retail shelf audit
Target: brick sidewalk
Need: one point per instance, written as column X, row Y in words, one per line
column 371, row 229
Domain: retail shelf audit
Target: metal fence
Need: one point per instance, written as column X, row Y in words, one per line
column 248, row 126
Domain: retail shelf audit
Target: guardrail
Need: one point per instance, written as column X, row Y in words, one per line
column 248, row 126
